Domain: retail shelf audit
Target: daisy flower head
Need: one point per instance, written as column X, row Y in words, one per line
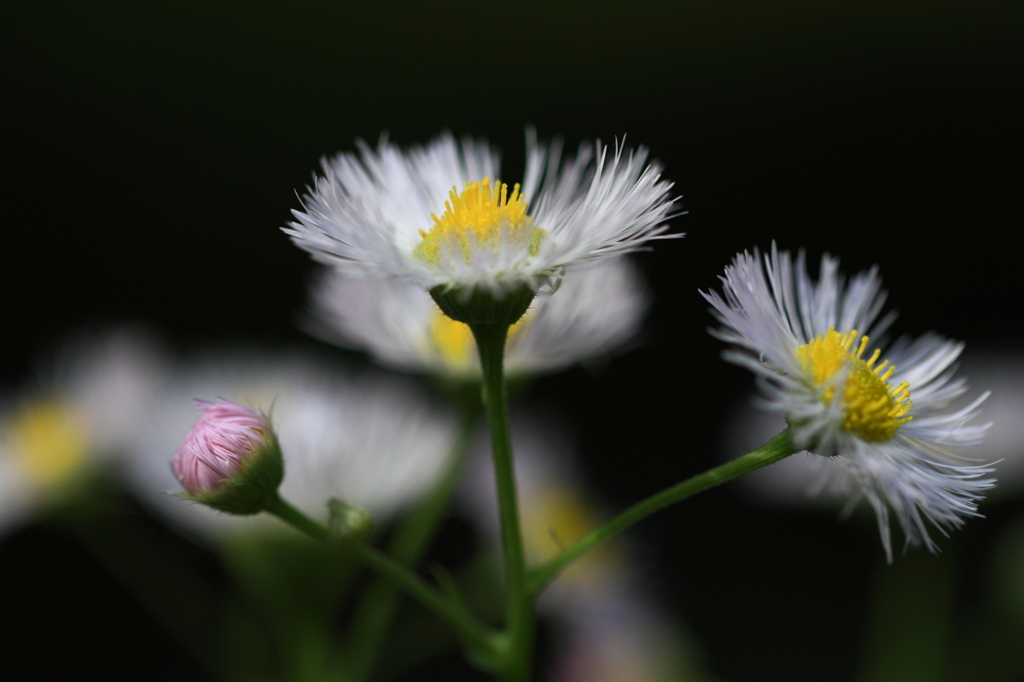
column 230, row 460
column 598, row 310
column 76, row 418
column 881, row 420
column 439, row 216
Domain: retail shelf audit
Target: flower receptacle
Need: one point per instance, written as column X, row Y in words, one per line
column 478, row 306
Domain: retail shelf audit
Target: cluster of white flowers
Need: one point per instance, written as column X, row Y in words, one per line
column 117, row 402
column 884, row 423
column 381, row 221
column 427, row 251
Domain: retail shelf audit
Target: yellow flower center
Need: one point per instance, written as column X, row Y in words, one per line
column 554, row 519
column 872, row 409
column 453, row 340
column 481, row 216
column 50, row 442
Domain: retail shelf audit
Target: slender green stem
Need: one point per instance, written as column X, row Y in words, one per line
column 472, row 632
column 293, row 517
column 490, row 340
column 379, row 604
column 778, row 448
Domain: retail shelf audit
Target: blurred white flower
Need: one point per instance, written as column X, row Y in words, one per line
column 80, row 415
column 1001, row 372
column 370, row 440
column 595, row 312
column 808, row 344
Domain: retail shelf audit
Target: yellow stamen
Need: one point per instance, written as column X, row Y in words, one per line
column 481, row 216
column 50, row 442
column 872, row 409
column 453, row 341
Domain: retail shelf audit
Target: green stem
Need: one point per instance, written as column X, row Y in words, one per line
column 519, row 614
column 471, row 631
column 467, row 627
column 778, row 448
column 293, row 517
column 379, row 604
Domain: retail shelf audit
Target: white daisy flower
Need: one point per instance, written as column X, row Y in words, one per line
column 438, row 215
column 369, row 440
column 77, row 419
column 883, row 423
column 598, row 309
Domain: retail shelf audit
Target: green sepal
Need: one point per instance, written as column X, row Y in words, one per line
column 254, row 486
column 347, row 526
column 479, row 306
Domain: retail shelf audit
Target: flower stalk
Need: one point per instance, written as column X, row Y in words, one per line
column 519, row 610
column 376, row 609
column 774, row 450
column 472, row 633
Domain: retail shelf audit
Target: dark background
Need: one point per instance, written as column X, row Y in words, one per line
column 154, row 149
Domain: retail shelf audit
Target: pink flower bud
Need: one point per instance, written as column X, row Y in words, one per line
column 230, row 460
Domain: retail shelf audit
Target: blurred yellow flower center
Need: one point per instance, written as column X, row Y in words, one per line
column 872, row 409
column 453, row 340
column 554, row 519
column 481, row 217
column 50, row 442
